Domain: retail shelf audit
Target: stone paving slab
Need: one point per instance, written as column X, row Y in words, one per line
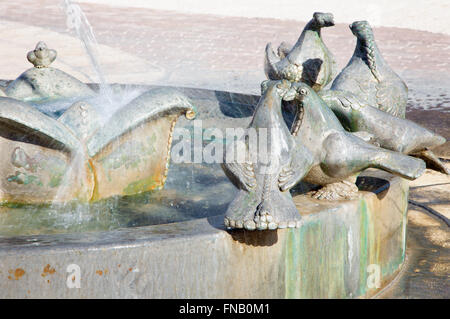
column 425, row 273
column 432, row 189
column 228, row 51
column 71, row 56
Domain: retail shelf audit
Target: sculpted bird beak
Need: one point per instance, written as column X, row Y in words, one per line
column 352, row 28
column 286, row 90
column 330, row 21
column 290, row 94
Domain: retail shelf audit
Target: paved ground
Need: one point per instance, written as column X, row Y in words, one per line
column 427, row 15
column 427, row 267
column 210, row 51
column 139, row 45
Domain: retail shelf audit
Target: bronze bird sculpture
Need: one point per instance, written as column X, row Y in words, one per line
column 369, row 77
column 308, row 61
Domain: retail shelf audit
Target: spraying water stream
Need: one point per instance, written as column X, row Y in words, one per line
column 78, row 23
column 187, row 193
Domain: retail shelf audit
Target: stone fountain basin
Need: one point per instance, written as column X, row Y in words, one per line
column 344, row 249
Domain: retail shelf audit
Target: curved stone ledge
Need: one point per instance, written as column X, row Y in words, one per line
column 327, row 257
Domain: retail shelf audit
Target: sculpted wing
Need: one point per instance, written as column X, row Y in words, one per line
column 390, row 97
column 242, row 175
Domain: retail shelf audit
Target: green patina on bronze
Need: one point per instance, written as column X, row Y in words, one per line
column 24, row 178
column 129, row 155
column 318, row 256
column 52, row 110
column 364, row 246
column 42, row 166
column 309, row 60
column 399, row 235
column 140, row 186
column 56, row 168
column 316, row 260
column 55, row 180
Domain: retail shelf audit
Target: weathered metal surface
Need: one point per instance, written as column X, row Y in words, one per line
column 388, row 131
column 37, row 152
column 199, row 259
column 366, row 78
column 41, row 56
column 82, row 119
column 338, row 154
column 20, row 121
column 36, row 174
column 135, row 162
column 80, row 158
column 369, row 77
column 317, row 149
column 155, row 103
column 264, row 179
column 309, row 60
column 41, row 84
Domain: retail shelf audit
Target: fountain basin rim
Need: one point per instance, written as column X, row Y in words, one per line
column 121, row 238
column 162, row 261
column 96, row 86
column 141, row 236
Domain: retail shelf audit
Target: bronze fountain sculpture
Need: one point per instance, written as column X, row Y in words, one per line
column 309, row 60
column 86, row 181
column 264, row 201
column 356, row 124
column 76, row 155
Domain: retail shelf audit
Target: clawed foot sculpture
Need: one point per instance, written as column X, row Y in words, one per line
column 266, row 217
column 336, row 191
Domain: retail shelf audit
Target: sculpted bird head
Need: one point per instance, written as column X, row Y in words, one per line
column 302, row 91
column 41, row 56
column 302, row 96
column 283, row 88
column 361, row 30
column 322, row 20
column 41, row 49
